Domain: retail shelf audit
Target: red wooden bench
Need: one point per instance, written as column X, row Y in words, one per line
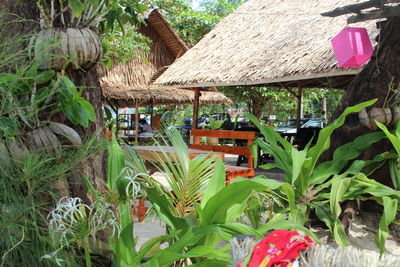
column 231, row 171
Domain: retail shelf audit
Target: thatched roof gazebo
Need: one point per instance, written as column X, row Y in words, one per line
column 268, row 42
column 129, row 84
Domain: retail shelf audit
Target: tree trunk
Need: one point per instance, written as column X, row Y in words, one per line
column 372, row 82
column 256, row 106
column 95, row 167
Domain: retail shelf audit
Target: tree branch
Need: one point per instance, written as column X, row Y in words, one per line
column 356, row 8
column 377, row 14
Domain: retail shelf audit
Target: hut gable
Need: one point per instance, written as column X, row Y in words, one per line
column 129, row 82
column 165, row 47
column 266, row 42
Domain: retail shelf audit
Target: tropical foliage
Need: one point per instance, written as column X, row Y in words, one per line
column 322, row 187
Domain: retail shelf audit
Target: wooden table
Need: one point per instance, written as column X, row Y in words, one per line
column 151, row 153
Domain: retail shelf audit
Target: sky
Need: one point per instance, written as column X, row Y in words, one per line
column 195, row 4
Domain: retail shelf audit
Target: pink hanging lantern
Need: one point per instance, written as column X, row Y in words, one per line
column 352, row 47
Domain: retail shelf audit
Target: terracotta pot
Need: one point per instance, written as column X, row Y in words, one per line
column 213, row 141
column 386, row 116
column 55, row 48
column 108, row 134
column 140, row 210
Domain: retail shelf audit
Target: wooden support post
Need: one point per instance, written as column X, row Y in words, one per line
column 137, row 120
column 151, row 113
column 196, row 107
column 270, row 112
column 299, row 105
column 324, row 114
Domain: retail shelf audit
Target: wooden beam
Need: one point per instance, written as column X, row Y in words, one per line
column 137, row 120
column 386, row 12
column 288, row 89
column 196, row 108
column 112, row 105
column 356, row 8
column 299, row 96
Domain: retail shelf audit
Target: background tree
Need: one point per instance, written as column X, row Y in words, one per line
column 191, row 24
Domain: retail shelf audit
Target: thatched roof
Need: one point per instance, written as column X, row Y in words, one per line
column 267, row 42
column 126, row 96
column 166, row 46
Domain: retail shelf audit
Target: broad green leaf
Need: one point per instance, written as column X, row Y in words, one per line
column 254, row 152
column 339, row 233
column 343, row 155
column 298, row 159
column 216, row 183
column 116, row 162
column 324, row 214
column 395, row 172
column 271, row 184
column 159, row 198
column 77, row 7
column 208, row 263
column 209, row 253
column 388, row 216
column 215, row 211
column 323, row 142
column 267, row 166
column 235, row 228
column 150, row 244
column 286, row 225
column 290, row 194
column 393, row 139
column 339, row 187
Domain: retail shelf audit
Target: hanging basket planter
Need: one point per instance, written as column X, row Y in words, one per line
column 57, row 48
column 386, row 116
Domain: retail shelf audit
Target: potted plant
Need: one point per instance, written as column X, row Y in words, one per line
column 214, row 125
column 110, row 123
column 388, row 114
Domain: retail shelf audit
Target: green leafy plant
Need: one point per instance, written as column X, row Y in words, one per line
column 394, row 163
column 215, row 124
column 322, row 187
column 77, row 109
column 201, row 211
column 91, row 13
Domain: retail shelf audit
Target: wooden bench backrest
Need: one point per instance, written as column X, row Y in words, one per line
column 236, row 150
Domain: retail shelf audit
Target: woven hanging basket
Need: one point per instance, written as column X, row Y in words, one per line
column 58, row 48
column 386, row 116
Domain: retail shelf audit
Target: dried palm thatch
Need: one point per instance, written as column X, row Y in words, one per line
column 267, row 42
column 127, row 82
column 127, row 96
column 166, row 46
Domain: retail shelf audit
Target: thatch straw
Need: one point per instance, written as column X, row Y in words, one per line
column 127, row 96
column 166, row 46
column 267, row 42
